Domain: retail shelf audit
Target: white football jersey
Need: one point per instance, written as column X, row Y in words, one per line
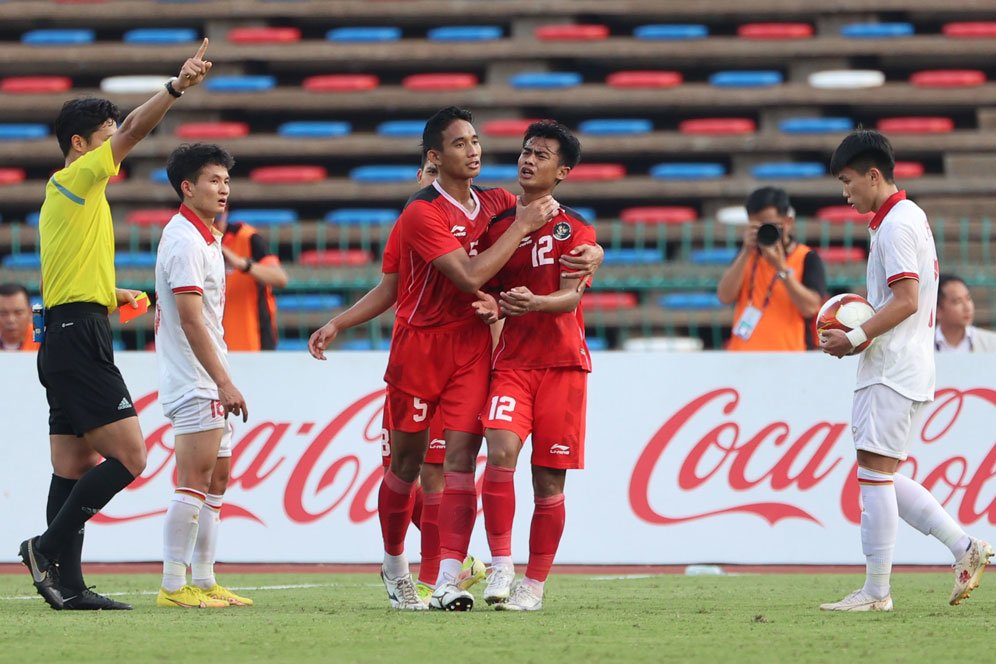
column 189, row 260
column 902, row 247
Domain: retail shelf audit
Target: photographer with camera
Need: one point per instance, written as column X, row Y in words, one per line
column 776, row 283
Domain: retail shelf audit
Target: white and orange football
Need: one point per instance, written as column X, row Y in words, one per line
column 845, row 312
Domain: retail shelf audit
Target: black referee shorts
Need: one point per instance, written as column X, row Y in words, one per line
column 76, row 366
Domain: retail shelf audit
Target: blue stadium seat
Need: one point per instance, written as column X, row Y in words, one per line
column 240, row 83
column 401, row 128
column 745, row 79
column 22, row 262
column 125, row 260
column 597, row 343
column 362, row 216
column 676, row 31
column 587, row 213
column 22, row 132
column 380, row 174
column 492, row 172
column 60, row 37
column 309, row 302
column 877, row 30
column 632, row 256
column 545, row 79
column 462, row 33
column 701, row 300
column 314, row 129
column 615, row 126
column 788, row 170
column 118, row 346
column 152, row 36
column 292, row 344
column 159, row 176
column 717, row 256
column 32, row 218
column 261, row 217
column 366, row 344
column 815, row 125
column 364, row 34
column 688, row 171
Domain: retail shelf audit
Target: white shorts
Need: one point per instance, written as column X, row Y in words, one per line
column 882, row 421
column 199, row 414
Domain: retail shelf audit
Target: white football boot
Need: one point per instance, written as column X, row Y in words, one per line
column 969, row 568
column 859, row 600
column 448, row 596
column 523, row 599
column 402, row 593
column 499, row 584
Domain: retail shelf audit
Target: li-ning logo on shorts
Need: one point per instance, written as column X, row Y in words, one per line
column 557, row 448
column 437, row 444
column 459, row 231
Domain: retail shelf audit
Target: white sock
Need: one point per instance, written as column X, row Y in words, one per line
column 879, row 523
column 202, row 562
column 534, row 585
column 179, row 534
column 395, row 567
column 449, row 571
column 503, row 561
column 920, row 509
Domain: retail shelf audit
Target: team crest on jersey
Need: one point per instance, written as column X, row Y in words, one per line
column 562, row 230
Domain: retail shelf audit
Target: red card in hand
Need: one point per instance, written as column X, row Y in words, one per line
column 127, row 312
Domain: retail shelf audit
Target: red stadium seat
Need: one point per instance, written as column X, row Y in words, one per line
column 841, row 254
column 35, row 84
column 608, row 301
column 264, row 35
column 287, row 174
column 334, row 258
column 915, row 125
column 439, row 82
column 644, row 79
column 908, row 169
column 839, row 214
column 212, row 130
column 571, row 32
column 120, row 177
column 341, row 83
column 718, row 126
column 970, row 29
column 948, row 78
column 150, row 216
column 12, row 175
column 775, row 31
column 659, row 214
column 594, row 172
column 511, row 128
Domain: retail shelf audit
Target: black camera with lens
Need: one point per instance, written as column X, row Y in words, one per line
column 768, row 235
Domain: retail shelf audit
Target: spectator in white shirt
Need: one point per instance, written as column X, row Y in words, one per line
column 955, row 315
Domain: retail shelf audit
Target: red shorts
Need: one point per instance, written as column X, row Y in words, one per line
column 437, row 443
column 438, row 369
column 548, row 403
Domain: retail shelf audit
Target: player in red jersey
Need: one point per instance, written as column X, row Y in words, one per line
column 539, row 373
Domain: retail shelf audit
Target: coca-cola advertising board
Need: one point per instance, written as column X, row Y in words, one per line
column 699, row 457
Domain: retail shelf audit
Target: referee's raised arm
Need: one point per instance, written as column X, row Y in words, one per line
column 144, row 119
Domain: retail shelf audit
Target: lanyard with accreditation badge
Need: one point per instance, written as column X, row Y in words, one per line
column 751, row 315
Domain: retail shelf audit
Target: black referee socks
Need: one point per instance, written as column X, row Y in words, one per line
column 70, row 571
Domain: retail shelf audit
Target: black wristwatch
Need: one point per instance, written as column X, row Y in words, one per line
column 173, row 91
column 248, row 266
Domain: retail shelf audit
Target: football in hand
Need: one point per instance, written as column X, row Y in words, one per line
column 845, row 312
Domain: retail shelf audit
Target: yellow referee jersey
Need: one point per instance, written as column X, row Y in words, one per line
column 77, row 234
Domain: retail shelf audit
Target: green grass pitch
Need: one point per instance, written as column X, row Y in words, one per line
column 345, row 618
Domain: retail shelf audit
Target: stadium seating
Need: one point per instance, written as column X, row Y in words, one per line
column 259, row 217
column 314, row 129
column 160, row 36
column 264, row 35
column 463, row 33
column 35, row 84
column 340, row 83
column 718, row 126
column 439, row 82
column 212, row 130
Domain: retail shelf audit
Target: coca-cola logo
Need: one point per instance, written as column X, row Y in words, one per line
column 818, row 453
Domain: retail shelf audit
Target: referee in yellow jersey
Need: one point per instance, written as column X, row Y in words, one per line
column 90, row 410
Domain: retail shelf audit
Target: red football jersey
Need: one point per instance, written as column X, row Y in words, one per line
column 540, row 340
column 434, row 224
column 391, row 261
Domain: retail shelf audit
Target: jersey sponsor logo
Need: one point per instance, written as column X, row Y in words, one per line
column 562, row 230
column 459, row 231
column 560, row 449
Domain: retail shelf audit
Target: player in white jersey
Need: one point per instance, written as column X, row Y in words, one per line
column 895, row 374
column 195, row 388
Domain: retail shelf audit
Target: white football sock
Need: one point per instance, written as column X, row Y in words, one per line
column 395, row 567
column 202, row 562
column 920, row 509
column 879, row 523
column 449, row 571
column 179, row 534
column 502, row 561
column 534, row 585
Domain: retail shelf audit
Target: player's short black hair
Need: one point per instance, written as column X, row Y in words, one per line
column 570, row 146
column 766, row 197
column 944, row 280
column 862, row 150
column 6, row 290
column 186, row 162
column 432, row 134
column 82, row 116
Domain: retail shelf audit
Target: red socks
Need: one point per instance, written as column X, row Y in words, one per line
column 428, row 569
column 544, row 536
column 498, row 498
column 418, row 498
column 394, row 506
column 457, row 513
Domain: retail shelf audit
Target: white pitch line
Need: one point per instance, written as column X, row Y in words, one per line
column 290, row 586
column 623, row 577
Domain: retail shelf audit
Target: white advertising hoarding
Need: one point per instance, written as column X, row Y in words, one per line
column 700, row 457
